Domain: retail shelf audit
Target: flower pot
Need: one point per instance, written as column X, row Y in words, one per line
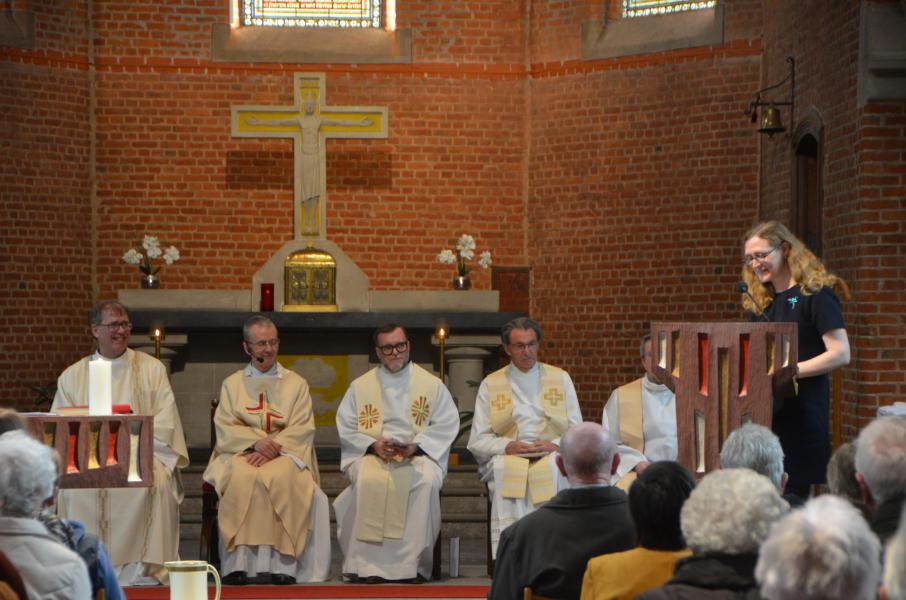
column 462, row 282
column 150, row 282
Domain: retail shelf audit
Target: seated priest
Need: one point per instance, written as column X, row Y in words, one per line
column 273, row 518
column 520, row 413
column 139, row 526
column 641, row 416
column 396, row 424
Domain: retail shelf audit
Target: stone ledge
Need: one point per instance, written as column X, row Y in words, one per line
column 421, row 301
column 17, row 29
column 186, row 299
column 657, row 33
column 310, row 45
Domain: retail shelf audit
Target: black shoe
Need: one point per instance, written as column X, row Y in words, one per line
column 372, row 579
column 235, row 578
column 281, row 579
column 350, row 578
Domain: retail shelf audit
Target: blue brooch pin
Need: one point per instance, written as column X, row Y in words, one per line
column 793, row 301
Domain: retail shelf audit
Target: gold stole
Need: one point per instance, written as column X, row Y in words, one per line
column 630, row 399
column 518, row 471
column 383, row 487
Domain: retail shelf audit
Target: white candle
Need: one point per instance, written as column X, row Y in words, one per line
column 100, row 384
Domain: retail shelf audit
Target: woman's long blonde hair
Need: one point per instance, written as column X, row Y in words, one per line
column 806, row 268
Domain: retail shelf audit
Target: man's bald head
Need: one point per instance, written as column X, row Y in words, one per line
column 587, row 454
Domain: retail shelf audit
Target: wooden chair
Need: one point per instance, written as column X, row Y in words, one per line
column 209, row 540
column 527, row 594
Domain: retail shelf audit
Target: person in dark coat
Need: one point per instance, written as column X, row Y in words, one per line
column 881, row 472
column 548, row 549
column 725, row 519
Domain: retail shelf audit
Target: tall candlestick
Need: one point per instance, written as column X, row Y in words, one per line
column 442, row 336
column 157, row 334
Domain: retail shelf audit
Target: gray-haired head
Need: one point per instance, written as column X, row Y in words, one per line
column 754, row 447
column 895, row 563
column 97, row 312
column 10, row 420
column 730, row 511
column 587, row 452
column 824, row 550
column 253, row 321
column 27, row 475
column 519, row 323
column 881, row 457
column 841, row 476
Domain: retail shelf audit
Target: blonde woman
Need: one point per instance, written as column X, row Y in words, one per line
column 788, row 283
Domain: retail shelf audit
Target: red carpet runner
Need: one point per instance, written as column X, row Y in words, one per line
column 324, row 591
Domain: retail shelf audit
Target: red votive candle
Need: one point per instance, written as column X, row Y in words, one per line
column 267, row 297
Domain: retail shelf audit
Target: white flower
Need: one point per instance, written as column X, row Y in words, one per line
column 132, row 257
column 466, row 244
column 171, row 255
column 152, row 246
column 446, row 257
column 485, row 259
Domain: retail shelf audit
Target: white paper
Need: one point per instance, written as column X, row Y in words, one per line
column 100, row 384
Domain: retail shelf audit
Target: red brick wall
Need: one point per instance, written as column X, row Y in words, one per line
column 864, row 186
column 45, row 238
column 642, row 181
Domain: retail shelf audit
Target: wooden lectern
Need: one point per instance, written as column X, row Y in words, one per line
column 722, row 376
column 99, row 452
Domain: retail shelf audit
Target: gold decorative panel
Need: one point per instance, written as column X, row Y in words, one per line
column 310, row 281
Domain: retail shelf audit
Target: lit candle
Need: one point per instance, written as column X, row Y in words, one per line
column 100, row 388
column 267, row 297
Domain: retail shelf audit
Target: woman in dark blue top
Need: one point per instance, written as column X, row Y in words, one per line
column 790, row 284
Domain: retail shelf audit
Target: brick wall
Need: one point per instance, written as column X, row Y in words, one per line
column 45, row 238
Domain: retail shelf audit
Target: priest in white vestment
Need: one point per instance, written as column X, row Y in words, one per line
column 520, row 413
column 641, row 416
column 139, row 526
column 396, row 424
column 273, row 517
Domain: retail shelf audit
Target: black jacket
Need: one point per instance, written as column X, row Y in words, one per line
column 710, row 577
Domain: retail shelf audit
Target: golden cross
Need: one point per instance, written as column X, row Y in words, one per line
column 553, row 397
column 500, row 402
column 309, row 122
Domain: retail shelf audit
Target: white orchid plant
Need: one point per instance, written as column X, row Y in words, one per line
column 465, row 250
column 152, row 251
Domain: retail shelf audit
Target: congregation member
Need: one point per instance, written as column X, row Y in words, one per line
column 656, row 498
column 724, row 521
column 641, row 416
column 823, row 551
column 520, row 413
column 139, row 526
column 273, row 517
column 49, row 570
column 894, row 578
column 548, row 549
column 755, row 447
column 841, row 477
column 881, row 472
column 396, row 424
column 788, row 283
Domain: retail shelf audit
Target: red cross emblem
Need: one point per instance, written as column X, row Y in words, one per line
column 265, row 412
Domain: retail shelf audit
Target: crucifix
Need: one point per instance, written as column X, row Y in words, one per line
column 309, row 122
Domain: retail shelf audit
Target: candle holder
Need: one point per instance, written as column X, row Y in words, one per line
column 442, row 338
column 266, row 303
column 157, row 335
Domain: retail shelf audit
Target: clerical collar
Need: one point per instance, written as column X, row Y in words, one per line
column 532, row 373
column 274, row 371
column 652, row 386
column 404, row 372
column 119, row 359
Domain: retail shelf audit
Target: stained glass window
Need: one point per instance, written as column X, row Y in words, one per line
column 643, row 8
column 312, row 13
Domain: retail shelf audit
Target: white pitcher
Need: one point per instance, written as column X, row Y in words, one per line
column 189, row 580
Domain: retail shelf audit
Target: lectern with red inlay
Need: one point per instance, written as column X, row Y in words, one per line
column 99, row 452
column 722, row 375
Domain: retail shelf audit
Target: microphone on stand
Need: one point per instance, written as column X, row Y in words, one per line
column 743, row 288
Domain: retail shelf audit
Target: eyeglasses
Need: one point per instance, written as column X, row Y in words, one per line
column 520, row 347
column 264, row 344
column 759, row 256
column 126, row 325
column 387, row 349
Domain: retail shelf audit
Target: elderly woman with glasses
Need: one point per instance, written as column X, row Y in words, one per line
column 788, row 283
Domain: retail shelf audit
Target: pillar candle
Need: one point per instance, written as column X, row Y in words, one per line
column 100, row 384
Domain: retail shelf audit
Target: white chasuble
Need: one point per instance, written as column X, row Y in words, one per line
column 140, row 526
column 409, row 406
column 270, row 506
column 538, row 405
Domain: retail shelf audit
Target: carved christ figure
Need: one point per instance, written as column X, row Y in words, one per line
column 310, row 123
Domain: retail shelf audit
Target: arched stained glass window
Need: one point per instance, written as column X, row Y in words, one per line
column 644, row 8
column 312, row 13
